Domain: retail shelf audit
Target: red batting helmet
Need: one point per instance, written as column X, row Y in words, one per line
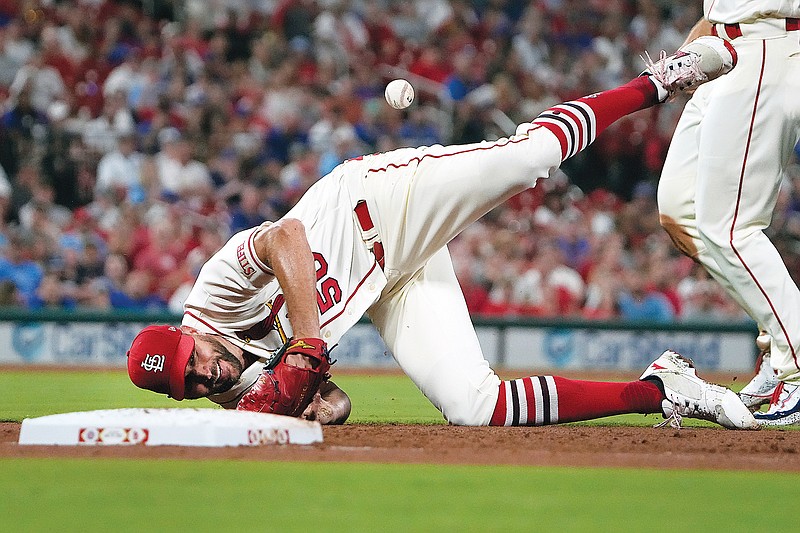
column 157, row 360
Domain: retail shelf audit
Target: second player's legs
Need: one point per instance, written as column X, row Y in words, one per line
column 747, row 132
column 677, row 190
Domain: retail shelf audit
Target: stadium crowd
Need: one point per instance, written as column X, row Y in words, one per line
column 135, row 137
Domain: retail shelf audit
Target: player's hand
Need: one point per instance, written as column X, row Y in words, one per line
column 330, row 405
column 287, row 389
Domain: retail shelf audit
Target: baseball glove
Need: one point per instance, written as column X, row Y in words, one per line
column 285, row 389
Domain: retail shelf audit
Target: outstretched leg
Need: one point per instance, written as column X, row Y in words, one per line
column 695, row 63
column 427, row 327
column 669, row 385
column 543, row 400
column 577, row 124
column 417, row 213
column 449, row 187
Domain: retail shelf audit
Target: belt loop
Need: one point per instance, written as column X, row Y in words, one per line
column 731, row 31
column 369, row 233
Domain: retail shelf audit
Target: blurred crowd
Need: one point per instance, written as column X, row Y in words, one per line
column 137, row 136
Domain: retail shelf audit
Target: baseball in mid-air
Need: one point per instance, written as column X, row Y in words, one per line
column 399, row 93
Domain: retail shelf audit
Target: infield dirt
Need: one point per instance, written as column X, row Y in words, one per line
column 636, row 447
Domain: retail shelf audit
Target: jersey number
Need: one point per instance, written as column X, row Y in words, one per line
column 329, row 293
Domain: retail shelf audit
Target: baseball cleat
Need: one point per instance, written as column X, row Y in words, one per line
column 704, row 59
column 784, row 409
column 690, row 396
column 760, row 389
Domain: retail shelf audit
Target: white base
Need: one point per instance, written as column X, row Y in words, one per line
column 168, row 427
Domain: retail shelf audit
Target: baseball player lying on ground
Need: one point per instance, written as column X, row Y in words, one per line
column 371, row 237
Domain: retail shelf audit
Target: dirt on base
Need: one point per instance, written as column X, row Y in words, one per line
column 638, row 447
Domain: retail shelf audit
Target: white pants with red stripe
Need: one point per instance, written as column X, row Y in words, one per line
column 721, row 180
column 419, row 200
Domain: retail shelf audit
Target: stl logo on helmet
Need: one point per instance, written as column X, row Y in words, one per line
column 153, row 363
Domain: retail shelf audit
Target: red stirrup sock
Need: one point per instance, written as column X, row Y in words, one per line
column 542, row 400
column 577, row 123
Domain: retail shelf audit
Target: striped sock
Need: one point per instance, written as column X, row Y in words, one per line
column 543, row 400
column 576, row 124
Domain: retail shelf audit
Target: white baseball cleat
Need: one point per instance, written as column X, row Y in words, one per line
column 760, row 389
column 784, row 409
column 704, row 59
column 689, row 396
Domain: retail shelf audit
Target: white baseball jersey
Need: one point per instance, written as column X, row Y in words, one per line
column 418, row 200
column 723, row 171
column 237, row 296
column 731, row 11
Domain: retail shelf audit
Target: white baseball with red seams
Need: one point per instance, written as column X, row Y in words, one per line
column 399, row 93
column 722, row 175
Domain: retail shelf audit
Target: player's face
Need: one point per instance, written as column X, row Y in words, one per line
column 211, row 369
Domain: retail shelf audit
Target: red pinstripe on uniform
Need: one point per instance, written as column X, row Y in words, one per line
column 498, row 144
column 206, row 323
column 738, row 203
column 352, row 293
column 251, row 247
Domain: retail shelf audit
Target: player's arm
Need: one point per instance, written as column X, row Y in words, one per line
column 284, row 248
column 289, row 386
column 702, row 27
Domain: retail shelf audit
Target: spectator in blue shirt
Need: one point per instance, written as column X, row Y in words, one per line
column 137, row 295
column 52, row 294
column 16, row 267
column 636, row 303
column 249, row 211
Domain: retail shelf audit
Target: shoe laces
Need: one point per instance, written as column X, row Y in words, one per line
column 674, row 420
column 655, row 68
column 686, row 67
column 690, row 409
